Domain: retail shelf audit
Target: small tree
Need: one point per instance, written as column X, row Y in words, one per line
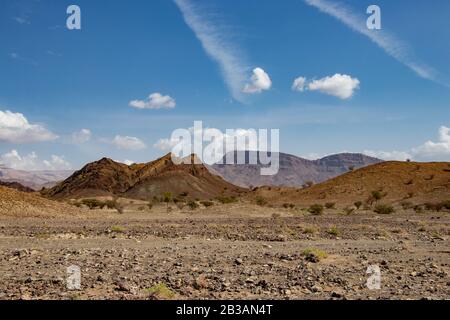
column 358, row 204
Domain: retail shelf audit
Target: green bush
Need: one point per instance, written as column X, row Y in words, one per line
column 96, row 204
column 446, row 204
column 334, row 231
column 260, row 201
column 207, row 203
column 192, row 205
column 117, row 229
column 167, row 197
column 226, row 200
column 384, row 209
column 160, row 292
column 288, row 205
column 93, row 203
column 316, row 209
column 314, row 254
column 377, row 195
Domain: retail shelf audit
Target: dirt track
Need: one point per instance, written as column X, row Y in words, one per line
column 211, row 254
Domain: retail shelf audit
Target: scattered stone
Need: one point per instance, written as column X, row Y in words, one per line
column 238, row 261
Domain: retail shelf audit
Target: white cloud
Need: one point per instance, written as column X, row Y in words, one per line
column 32, row 162
column 299, row 84
column 312, row 156
column 154, row 101
column 388, row 155
column 437, row 150
column 126, row 161
column 166, row 144
column 18, row 57
column 222, row 142
column 128, row 143
column 82, row 136
column 21, row 20
column 339, row 85
column 389, row 43
column 215, row 42
column 15, row 128
column 260, row 81
column 429, row 151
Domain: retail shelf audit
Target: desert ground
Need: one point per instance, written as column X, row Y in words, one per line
column 225, row 251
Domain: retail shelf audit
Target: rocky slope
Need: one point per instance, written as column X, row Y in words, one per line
column 417, row 183
column 20, row 204
column 143, row 181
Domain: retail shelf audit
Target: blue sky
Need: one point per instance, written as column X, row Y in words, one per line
column 385, row 93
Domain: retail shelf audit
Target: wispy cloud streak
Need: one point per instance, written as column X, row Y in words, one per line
column 385, row 40
column 218, row 46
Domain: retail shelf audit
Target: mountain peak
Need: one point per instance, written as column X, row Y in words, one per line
column 143, row 181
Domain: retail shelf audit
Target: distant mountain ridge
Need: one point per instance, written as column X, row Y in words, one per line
column 16, row 185
column 294, row 171
column 35, row 180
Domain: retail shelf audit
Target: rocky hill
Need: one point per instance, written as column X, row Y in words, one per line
column 416, row 183
column 21, row 204
column 143, row 181
column 16, row 185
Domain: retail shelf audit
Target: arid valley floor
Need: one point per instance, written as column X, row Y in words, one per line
column 229, row 251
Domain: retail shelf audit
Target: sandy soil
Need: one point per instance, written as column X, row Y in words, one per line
column 226, row 252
